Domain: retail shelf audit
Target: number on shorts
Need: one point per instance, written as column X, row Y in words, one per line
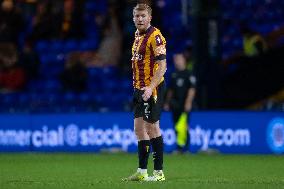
column 147, row 111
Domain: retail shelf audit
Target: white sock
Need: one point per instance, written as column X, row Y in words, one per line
column 158, row 171
column 143, row 171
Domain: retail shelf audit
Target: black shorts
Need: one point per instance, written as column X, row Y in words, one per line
column 149, row 110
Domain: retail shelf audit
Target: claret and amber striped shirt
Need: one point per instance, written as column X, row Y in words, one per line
column 147, row 47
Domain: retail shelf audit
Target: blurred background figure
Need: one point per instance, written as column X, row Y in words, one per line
column 109, row 51
column 189, row 57
column 12, row 76
column 74, row 76
column 69, row 20
column 29, row 60
column 179, row 100
column 41, row 27
column 11, row 22
column 254, row 43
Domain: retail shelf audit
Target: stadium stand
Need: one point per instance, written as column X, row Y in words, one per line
column 110, row 90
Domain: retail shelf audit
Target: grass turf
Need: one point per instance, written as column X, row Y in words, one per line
column 32, row 170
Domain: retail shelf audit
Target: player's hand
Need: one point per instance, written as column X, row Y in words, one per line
column 187, row 107
column 147, row 93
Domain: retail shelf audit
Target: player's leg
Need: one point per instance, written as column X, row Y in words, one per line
column 143, row 143
column 153, row 129
column 157, row 144
column 143, row 151
column 142, row 137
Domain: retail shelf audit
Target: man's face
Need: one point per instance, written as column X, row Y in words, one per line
column 180, row 62
column 142, row 20
column 7, row 5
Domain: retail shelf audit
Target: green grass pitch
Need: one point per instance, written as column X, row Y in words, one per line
column 99, row 171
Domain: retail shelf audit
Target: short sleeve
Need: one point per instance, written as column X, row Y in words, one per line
column 158, row 44
column 192, row 81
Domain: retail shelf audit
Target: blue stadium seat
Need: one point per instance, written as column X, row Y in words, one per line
column 238, row 43
column 23, row 99
column 126, row 84
column 96, row 5
column 42, row 46
column 56, row 46
column 86, row 45
column 71, row 45
column 90, row 6
column 9, row 99
column 69, row 97
column 52, row 85
column 51, row 57
column 85, row 97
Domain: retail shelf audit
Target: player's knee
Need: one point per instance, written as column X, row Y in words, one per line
column 148, row 131
column 139, row 131
column 153, row 130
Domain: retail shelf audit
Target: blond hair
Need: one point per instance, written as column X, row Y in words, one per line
column 142, row 7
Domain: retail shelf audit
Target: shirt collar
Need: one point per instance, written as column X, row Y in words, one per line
column 142, row 33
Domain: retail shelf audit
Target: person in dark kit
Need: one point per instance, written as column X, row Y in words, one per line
column 74, row 77
column 179, row 99
column 11, row 22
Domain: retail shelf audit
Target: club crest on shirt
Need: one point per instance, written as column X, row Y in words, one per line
column 159, row 40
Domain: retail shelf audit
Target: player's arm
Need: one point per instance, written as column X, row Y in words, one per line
column 158, row 43
column 158, row 75
column 189, row 99
column 190, row 94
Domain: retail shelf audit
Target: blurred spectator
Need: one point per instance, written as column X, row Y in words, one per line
column 69, row 21
column 253, row 43
column 41, row 22
column 11, row 22
column 276, row 37
column 189, row 58
column 109, row 51
column 74, row 76
column 126, row 15
column 99, row 21
column 12, row 76
column 29, row 60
